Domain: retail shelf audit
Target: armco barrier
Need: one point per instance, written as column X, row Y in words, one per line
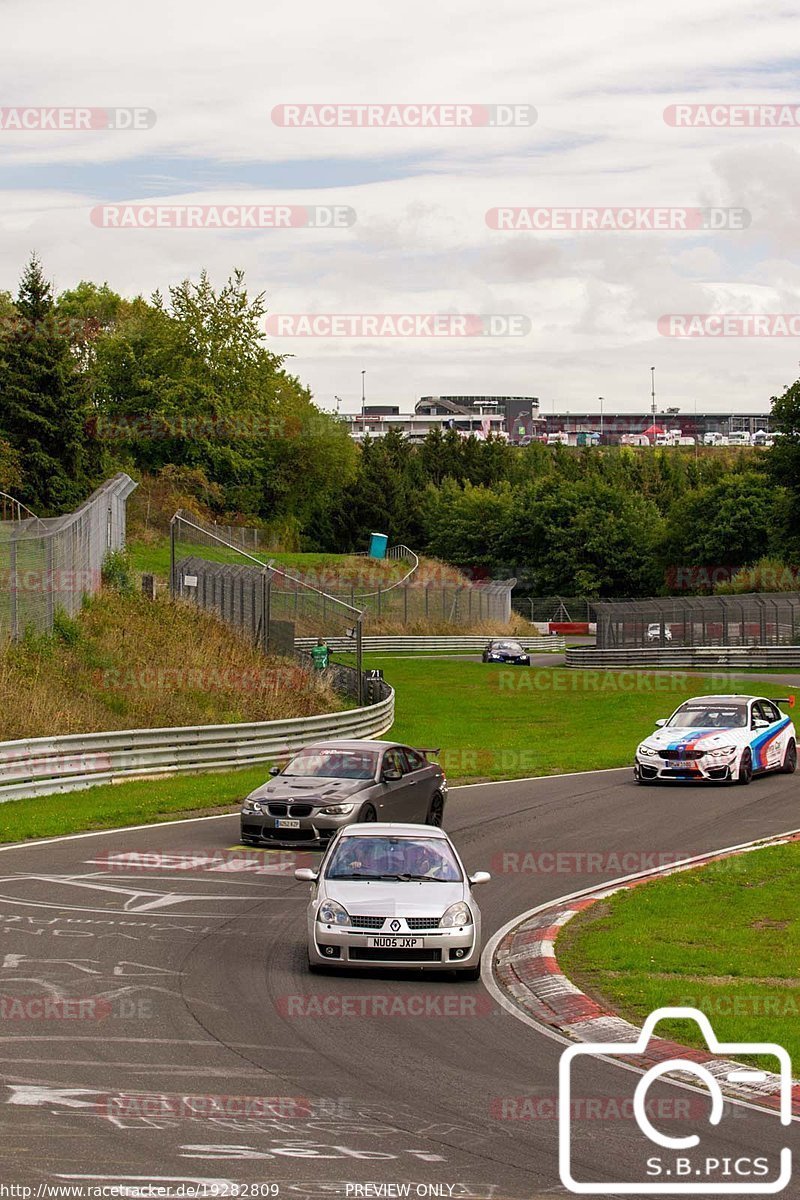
column 391, row 643
column 771, row 658
column 41, row 766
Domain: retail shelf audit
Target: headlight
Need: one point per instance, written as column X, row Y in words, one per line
column 456, row 914
column 330, row 912
column 722, row 752
column 252, row 806
column 647, row 751
column 337, row 810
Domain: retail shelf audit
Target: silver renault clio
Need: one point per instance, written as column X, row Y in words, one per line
column 389, row 895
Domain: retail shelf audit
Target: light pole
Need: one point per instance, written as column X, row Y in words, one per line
column 363, row 384
column 653, row 393
column 600, row 398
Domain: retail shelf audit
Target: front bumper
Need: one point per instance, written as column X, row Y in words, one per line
column 699, row 770
column 436, row 950
column 314, row 830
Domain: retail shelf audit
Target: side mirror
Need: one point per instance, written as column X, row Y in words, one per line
column 306, row 875
column 760, row 723
column 479, row 877
column 390, row 774
column 661, row 722
column 274, row 770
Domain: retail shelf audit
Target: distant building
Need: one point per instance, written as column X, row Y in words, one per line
column 518, row 418
column 691, row 424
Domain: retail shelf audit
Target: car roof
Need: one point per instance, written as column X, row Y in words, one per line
column 392, row 829
column 731, row 699
column 345, row 744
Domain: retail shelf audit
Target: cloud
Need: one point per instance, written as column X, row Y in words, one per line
column 600, row 81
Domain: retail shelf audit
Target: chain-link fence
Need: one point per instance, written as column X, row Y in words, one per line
column 754, row 619
column 554, row 608
column 316, row 602
column 50, row 565
column 266, row 603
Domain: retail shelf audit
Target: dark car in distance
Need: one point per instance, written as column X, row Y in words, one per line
column 506, row 651
column 334, row 783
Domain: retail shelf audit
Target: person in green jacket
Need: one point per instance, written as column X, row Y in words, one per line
column 320, row 654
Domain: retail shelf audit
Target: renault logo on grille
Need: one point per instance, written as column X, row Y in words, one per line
column 395, row 925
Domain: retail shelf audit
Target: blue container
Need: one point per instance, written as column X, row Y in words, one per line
column 377, row 545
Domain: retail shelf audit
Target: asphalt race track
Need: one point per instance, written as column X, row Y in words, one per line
column 196, row 997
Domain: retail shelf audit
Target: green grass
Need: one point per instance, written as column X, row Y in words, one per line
column 138, row 802
column 650, row 947
column 496, row 722
column 331, row 569
column 491, row 722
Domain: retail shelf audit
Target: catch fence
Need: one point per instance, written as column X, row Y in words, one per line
column 247, row 588
column 752, row 619
column 50, row 564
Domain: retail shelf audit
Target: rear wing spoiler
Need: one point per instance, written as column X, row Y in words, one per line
column 788, row 700
column 426, row 750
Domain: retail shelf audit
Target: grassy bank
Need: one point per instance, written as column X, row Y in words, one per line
column 650, row 947
column 127, row 662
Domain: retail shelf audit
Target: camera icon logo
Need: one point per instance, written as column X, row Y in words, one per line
column 677, row 1171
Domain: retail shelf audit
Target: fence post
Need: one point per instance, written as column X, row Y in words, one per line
column 14, row 598
column 360, row 660
column 405, row 604
column 172, row 557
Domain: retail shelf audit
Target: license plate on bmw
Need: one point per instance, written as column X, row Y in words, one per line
column 394, row 943
column 287, row 823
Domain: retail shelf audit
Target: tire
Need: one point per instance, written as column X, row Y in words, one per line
column 435, row 815
column 368, row 813
column 745, row 768
column 789, row 764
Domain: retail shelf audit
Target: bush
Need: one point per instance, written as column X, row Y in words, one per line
column 117, row 573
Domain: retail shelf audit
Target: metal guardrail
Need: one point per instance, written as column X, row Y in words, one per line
column 41, row 766
column 773, row 658
column 391, row 643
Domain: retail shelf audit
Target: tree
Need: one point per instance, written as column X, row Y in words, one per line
column 784, row 460
column 44, row 409
column 583, row 538
column 732, row 523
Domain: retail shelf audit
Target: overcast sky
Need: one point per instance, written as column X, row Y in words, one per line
column 599, row 79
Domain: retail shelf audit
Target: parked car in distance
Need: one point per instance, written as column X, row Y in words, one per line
column 654, row 632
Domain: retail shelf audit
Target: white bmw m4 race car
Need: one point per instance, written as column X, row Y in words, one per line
column 727, row 739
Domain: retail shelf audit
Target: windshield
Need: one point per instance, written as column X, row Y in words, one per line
column 509, row 647
column 406, row 859
column 710, row 716
column 333, row 764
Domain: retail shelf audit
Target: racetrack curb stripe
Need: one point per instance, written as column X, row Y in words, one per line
column 525, row 966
